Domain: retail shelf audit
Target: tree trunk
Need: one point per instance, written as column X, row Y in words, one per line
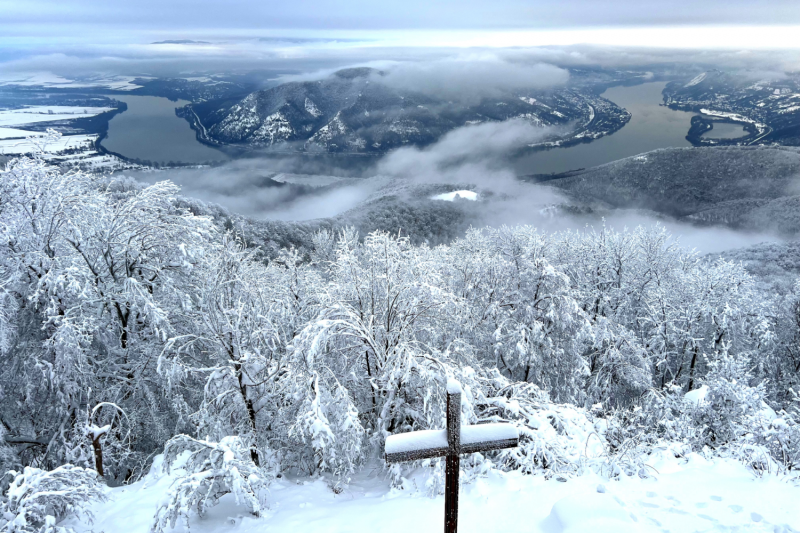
column 251, row 411
column 98, row 455
column 691, row 369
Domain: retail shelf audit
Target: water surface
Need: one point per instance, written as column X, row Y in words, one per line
column 149, row 130
column 652, row 126
column 725, row 130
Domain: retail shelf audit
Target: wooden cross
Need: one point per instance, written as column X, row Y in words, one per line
column 450, row 443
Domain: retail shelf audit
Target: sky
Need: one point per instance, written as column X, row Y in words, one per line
column 32, row 24
column 81, row 37
column 251, row 15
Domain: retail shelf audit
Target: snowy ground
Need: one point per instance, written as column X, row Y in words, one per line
column 84, row 154
column 451, row 196
column 34, row 114
column 686, row 495
column 25, row 146
column 50, row 80
column 13, row 133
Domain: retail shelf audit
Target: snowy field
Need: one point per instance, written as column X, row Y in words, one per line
column 683, row 495
column 14, row 133
column 34, row 114
column 84, row 156
column 25, row 146
column 48, row 79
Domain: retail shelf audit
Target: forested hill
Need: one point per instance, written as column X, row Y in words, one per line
column 754, row 188
column 355, row 111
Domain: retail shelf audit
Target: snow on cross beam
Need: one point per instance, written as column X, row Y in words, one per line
column 427, row 444
column 450, row 443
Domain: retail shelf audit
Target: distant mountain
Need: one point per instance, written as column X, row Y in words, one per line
column 180, row 41
column 353, row 111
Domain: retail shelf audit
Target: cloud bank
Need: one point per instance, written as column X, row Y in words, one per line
column 471, row 77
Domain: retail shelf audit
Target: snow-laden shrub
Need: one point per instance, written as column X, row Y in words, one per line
column 619, row 370
column 731, row 406
column 37, row 500
column 554, row 438
column 735, row 415
column 208, row 471
column 727, row 415
column 329, row 424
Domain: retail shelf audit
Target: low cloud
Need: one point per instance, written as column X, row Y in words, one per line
column 471, row 77
column 480, row 156
column 246, row 187
column 479, row 153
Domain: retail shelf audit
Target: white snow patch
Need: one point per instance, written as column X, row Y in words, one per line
column 488, row 433
column 453, row 386
column 13, row 133
column 50, row 80
column 451, row 196
column 312, row 109
column 94, row 432
column 590, row 511
column 25, row 146
column 688, row 494
column 33, row 114
column 696, row 396
column 697, row 79
column 437, row 438
column 416, row 440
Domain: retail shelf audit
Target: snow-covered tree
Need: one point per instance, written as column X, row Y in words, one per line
column 205, row 471
column 37, row 500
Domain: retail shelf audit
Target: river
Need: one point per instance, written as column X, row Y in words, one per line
column 652, row 126
column 725, row 130
column 150, row 130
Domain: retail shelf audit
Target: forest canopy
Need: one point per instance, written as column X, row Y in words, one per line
column 128, row 324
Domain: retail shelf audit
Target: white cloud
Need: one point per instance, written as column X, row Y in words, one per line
column 471, row 76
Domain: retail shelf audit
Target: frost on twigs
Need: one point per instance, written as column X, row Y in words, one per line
column 211, row 470
column 38, row 499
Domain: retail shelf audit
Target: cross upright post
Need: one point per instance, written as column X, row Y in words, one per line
column 450, row 443
column 453, row 464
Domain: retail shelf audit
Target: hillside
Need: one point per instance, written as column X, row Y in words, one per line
column 749, row 188
column 353, row 111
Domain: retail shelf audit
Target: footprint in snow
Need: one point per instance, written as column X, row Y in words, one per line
column 701, row 505
column 735, row 508
column 755, row 517
column 716, row 498
column 651, row 494
column 676, row 511
column 650, row 505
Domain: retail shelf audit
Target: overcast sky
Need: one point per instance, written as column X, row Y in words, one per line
column 48, row 35
column 378, row 15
